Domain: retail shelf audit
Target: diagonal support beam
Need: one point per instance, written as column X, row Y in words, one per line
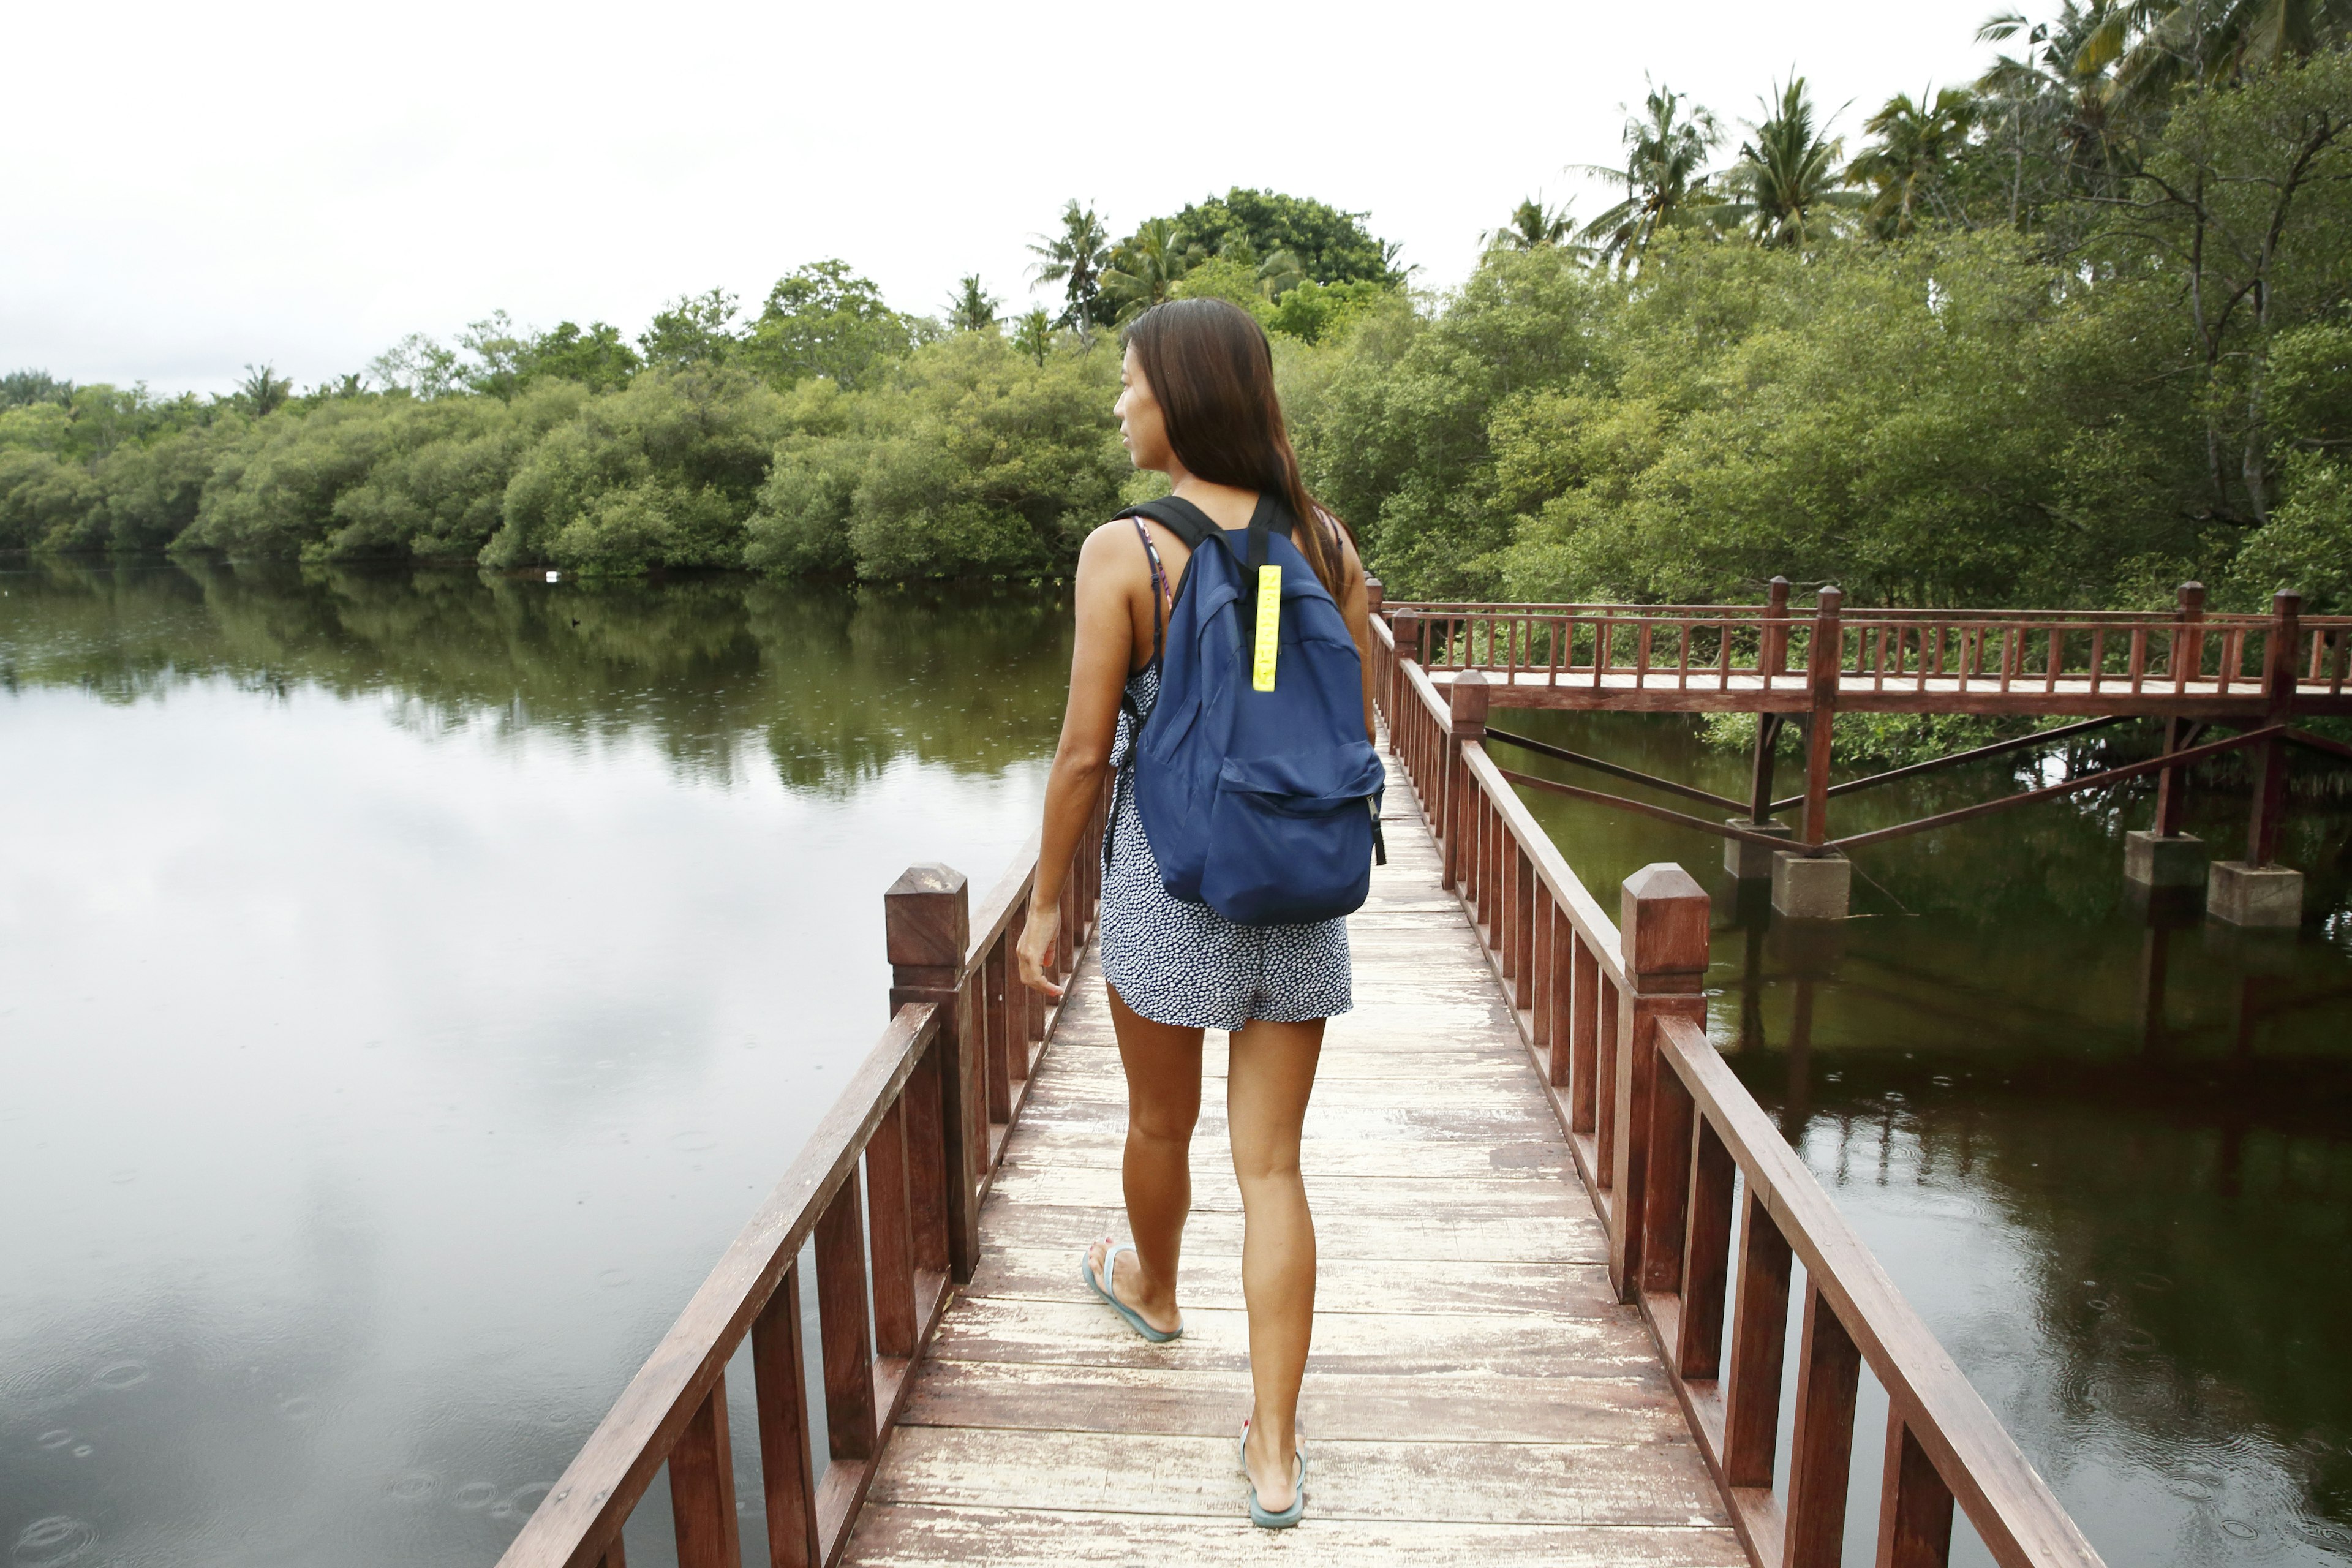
column 1615, row 770
column 2039, row 738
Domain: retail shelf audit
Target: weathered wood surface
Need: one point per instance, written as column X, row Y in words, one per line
column 1475, row 1393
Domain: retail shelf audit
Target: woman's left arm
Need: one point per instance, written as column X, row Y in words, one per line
column 1105, row 641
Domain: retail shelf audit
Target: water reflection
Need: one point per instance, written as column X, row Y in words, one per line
column 414, row 980
column 2103, row 1146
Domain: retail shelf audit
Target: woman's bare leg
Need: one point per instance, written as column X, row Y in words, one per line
column 1266, row 1086
column 1163, row 1101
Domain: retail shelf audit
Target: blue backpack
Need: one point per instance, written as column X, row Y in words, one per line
column 1253, row 778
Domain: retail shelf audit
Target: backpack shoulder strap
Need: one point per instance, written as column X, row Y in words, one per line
column 1179, row 517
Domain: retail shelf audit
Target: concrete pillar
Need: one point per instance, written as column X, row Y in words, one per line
column 1752, row 862
column 1811, row 886
column 2243, row 895
column 2154, row 860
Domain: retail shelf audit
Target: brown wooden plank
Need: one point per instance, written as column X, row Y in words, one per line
column 841, row 1320
column 1187, row 1401
column 1467, row 1234
column 1216, row 1192
column 702, row 1488
column 1088, row 1333
column 1535, row 1159
column 786, row 1465
column 907, row 1536
column 1518, row 1483
column 1341, row 1285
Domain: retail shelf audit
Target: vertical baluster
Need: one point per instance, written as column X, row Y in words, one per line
column 787, row 1470
column 928, row 1195
column 1610, row 1022
column 2138, row 658
column 1759, row 1331
column 616, row 1555
column 1523, row 919
column 1555, row 995
column 1878, row 663
column 1663, row 931
column 1002, row 1034
column 1469, row 698
column 1665, row 1193
column 1008, row 1043
column 2057, row 658
column 1585, row 1011
column 1707, row 1256
column 1723, row 656
column 1821, row 1453
column 1915, row 1506
column 702, row 1487
column 1560, row 652
column 890, row 1231
column 926, row 915
column 2098, row 654
column 1641, row 652
column 1605, row 648
column 840, row 1322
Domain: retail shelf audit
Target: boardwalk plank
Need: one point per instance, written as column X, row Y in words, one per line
column 902, row 1536
column 1128, row 1472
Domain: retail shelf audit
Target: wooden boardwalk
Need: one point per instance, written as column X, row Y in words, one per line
column 1476, row 1394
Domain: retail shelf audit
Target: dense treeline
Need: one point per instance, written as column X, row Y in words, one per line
column 2068, row 335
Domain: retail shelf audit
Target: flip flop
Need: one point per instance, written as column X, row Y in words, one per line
column 1258, row 1514
column 1101, row 1287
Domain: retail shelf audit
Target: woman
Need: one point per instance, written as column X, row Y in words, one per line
column 1198, row 405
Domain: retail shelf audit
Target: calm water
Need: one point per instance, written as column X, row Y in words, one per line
column 408, row 982
column 408, row 986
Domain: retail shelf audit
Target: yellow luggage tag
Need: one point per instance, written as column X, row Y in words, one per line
column 1269, row 616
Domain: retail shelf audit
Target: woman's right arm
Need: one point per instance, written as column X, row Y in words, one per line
column 1107, row 590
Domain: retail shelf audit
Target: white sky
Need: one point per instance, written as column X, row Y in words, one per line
column 190, row 188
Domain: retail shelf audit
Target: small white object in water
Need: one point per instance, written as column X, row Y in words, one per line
column 555, row 576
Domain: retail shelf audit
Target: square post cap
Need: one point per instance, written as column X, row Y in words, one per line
column 927, row 917
column 1663, row 932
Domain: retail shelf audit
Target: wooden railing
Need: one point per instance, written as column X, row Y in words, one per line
column 924, row 1117
column 1763, row 650
column 1681, row 1163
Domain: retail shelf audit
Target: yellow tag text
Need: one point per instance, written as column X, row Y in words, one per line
column 1269, row 628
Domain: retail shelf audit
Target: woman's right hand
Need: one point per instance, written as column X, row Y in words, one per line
column 1034, row 952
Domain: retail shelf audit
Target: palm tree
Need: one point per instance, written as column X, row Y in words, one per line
column 2156, row 46
column 1533, row 226
column 971, row 309
column 1664, row 151
column 1075, row 259
column 2047, row 107
column 1147, row 266
column 1033, row 334
column 1786, row 183
column 1916, row 142
column 264, row 388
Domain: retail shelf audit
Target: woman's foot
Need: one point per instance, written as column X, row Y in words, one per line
column 1275, row 1473
column 1124, row 1275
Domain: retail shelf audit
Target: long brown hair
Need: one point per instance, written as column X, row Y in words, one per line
column 1210, row 370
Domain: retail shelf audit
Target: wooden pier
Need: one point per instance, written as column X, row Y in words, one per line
column 1477, row 1393
column 1559, row 1284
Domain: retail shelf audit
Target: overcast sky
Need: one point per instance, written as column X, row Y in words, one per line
column 192, row 188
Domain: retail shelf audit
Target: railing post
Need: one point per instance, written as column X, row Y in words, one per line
column 2279, row 648
column 1823, row 661
column 1375, row 595
column 1467, row 705
column 927, row 918
column 2188, row 641
column 1663, row 932
column 1772, row 657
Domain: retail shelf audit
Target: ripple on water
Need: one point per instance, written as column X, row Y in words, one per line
column 613, row 1279
column 475, row 1494
column 300, row 1408
column 120, row 1374
column 694, row 1142
column 414, row 1485
column 56, row 1438
column 52, row 1541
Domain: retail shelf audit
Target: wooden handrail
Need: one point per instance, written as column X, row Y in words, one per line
column 1613, row 1016
column 925, row 1114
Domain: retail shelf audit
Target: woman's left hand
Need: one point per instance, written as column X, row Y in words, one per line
column 1039, row 937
